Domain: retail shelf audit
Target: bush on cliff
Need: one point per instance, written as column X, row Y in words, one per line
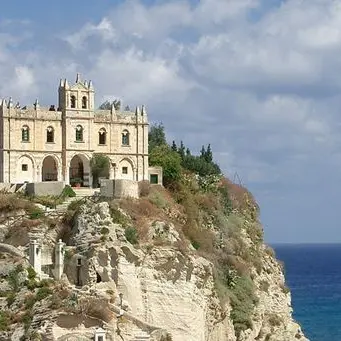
column 217, row 217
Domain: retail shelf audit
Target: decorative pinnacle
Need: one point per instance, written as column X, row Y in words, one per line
column 36, row 104
column 10, row 103
column 78, row 78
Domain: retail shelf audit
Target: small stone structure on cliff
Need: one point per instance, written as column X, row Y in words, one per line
column 38, row 258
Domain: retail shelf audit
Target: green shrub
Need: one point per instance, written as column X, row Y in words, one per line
column 131, row 235
column 35, row 213
column 243, row 301
column 158, row 200
column 104, row 230
column 27, row 319
column 225, row 200
column 169, row 160
column 75, row 205
column 29, row 302
column 68, row 192
column 31, row 274
column 100, row 165
column 10, row 298
column 4, row 321
column 43, row 292
column 117, row 216
column 13, row 279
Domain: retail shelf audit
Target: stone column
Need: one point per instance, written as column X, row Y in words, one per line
column 35, row 256
column 59, row 172
column 38, row 175
column 59, row 259
column 100, row 334
column 67, row 173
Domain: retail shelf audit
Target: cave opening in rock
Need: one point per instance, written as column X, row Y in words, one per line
column 99, row 278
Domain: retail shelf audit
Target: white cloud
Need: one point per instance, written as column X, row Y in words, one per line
column 104, row 30
column 260, row 84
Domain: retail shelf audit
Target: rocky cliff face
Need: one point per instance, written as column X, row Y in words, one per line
column 161, row 288
column 176, row 291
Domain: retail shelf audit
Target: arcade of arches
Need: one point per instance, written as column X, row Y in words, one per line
column 79, row 171
column 49, row 169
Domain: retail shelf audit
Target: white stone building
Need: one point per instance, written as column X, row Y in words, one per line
column 56, row 144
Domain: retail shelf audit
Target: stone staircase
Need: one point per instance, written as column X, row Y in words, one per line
column 85, row 191
column 80, row 194
column 141, row 336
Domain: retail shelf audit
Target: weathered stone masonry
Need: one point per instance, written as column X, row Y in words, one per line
column 56, row 144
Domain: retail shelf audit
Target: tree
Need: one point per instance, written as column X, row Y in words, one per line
column 100, row 166
column 202, row 152
column 208, row 156
column 174, row 147
column 169, row 160
column 181, row 150
column 156, row 136
column 105, row 106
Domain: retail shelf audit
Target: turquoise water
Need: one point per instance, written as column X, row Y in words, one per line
column 313, row 274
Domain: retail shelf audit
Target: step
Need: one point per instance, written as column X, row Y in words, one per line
column 140, row 335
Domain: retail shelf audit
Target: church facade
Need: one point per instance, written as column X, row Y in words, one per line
column 56, row 144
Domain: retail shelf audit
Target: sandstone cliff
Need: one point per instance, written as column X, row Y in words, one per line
column 159, row 267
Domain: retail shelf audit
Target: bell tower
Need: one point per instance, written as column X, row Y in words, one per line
column 77, row 97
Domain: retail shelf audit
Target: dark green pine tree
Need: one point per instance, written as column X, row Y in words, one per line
column 181, row 150
column 208, row 154
column 174, row 146
column 203, row 152
column 188, row 152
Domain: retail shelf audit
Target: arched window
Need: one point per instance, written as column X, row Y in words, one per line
column 125, row 138
column 79, row 133
column 25, row 134
column 49, row 134
column 73, row 101
column 84, row 102
column 102, row 136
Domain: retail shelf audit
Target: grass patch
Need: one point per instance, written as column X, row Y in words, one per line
column 243, row 301
column 117, row 216
column 131, row 235
column 157, row 199
column 5, row 321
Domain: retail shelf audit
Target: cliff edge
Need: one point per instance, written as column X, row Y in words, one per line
column 188, row 263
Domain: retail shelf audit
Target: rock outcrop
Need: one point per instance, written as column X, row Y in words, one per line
column 156, row 289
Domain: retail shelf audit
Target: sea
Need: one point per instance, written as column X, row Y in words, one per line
column 313, row 274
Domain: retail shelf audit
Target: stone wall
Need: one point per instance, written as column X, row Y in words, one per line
column 119, row 188
column 45, row 188
column 23, row 160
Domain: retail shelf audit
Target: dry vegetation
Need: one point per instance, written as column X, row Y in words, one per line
column 214, row 215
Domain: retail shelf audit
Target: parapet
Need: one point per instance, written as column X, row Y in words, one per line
column 119, row 188
column 29, row 112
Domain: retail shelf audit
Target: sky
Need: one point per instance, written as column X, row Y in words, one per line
column 258, row 79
